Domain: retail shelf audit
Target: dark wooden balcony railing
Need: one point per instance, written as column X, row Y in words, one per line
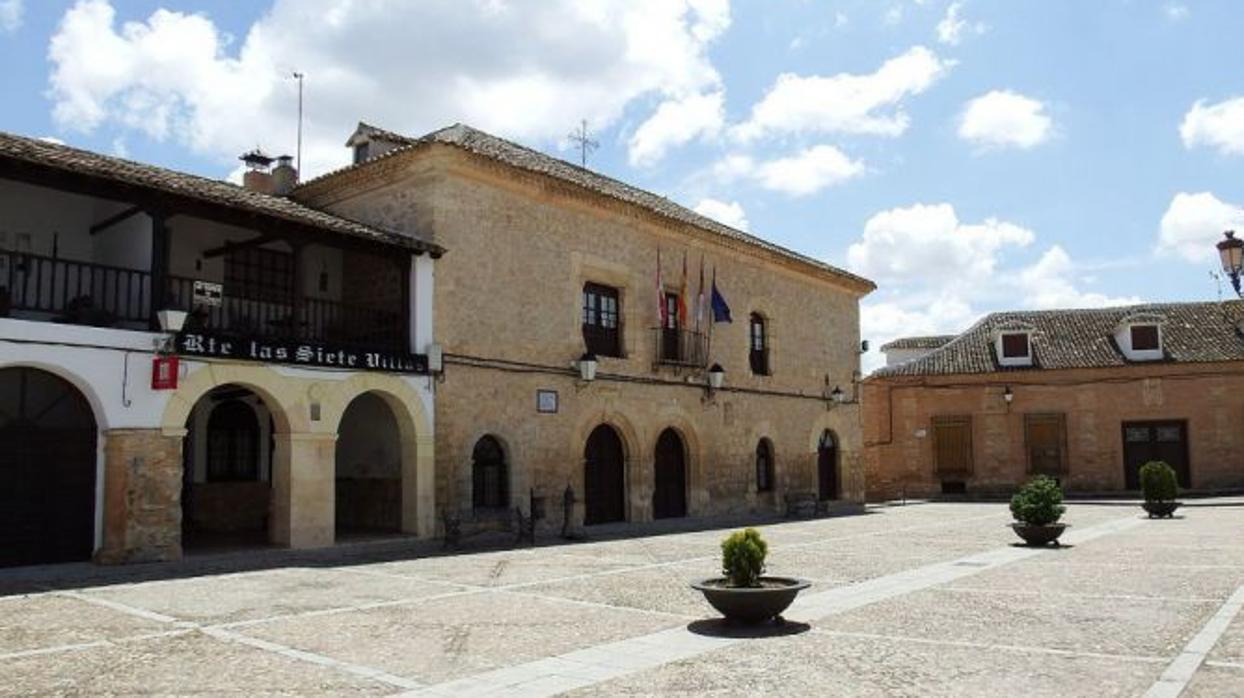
column 680, row 347
column 73, row 292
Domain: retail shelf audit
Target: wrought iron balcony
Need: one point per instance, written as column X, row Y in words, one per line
column 680, row 347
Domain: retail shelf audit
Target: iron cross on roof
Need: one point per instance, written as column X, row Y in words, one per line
column 585, row 143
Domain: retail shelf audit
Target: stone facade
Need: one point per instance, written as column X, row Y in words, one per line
column 142, row 495
column 898, row 412
column 508, row 309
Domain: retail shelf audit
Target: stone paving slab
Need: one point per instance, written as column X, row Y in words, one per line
column 1230, row 647
column 822, row 664
column 1135, row 627
column 185, row 664
column 253, row 595
column 1216, row 682
column 500, row 569
column 448, row 638
column 46, row 620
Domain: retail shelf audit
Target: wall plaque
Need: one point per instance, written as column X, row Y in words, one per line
column 546, row 401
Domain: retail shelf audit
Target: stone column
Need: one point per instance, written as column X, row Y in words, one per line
column 142, row 495
column 419, row 486
column 304, row 490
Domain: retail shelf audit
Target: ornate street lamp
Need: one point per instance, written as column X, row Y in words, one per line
column 1231, row 250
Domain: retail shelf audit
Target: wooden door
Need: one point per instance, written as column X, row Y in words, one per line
column 47, row 469
column 1045, row 436
column 604, row 497
column 952, row 445
column 670, row 350
column 669, row 494
column 827, row 467
column 1158, row 440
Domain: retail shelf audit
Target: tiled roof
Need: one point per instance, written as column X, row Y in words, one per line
column 926, row 342
column 16, row 148
column 522, row 157
column 1084, row 338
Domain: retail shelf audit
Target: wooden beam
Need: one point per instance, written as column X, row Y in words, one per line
column 235, row 246
column 114, row 219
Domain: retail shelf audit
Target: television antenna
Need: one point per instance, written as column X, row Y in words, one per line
column 583, row 141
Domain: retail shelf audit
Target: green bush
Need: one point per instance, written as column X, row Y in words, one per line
column 1039, row 502
column 1157, row 479
column 743, row 558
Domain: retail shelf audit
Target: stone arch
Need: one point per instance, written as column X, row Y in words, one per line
column 518, row 478
column 697, row 487
column 414, row 431
column 633, row 496
column 277, row 392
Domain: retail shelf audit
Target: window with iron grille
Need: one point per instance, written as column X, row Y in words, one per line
column 764, row 466
column 259, row 274
column 758, row 356
column 490, row 479
column 601, row 320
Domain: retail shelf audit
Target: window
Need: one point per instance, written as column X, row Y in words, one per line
column 952, row 445
column 758, row 356
column 764, row 466
column 232, row 443
column 600, row 320
column 1015, row 345
column 259, row 274
column 1045, row 437
column 490, row 481
column 361, row 152
column 1145, row 338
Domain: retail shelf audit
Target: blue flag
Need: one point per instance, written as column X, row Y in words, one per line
column 721, row 311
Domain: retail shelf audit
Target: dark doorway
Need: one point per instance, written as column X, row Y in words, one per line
column 226, row 458
column 827, row 466
column 47, row 469
column 603, row 477
column 670, row 349
column 1147, row 441
column 669, row 494
column 489, row 476
column 368, row 483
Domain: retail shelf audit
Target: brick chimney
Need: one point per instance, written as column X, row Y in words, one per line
column 284, row 176
column 257, row 177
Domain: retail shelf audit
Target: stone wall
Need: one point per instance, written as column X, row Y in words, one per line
column 899, row 457
column 508, row 313
column 142, row 495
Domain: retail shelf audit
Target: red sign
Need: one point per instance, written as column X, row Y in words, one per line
column 164, row 373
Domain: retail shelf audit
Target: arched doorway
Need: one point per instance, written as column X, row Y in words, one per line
column 47, row 469
column 368, row 468
column 227, row 470
column 490, row 478
column 604, row 477
column 827, row 466
column 669, row 492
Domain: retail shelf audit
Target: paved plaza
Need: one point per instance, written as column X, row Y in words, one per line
column 926, row 599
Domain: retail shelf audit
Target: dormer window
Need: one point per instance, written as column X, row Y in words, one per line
column 1145, row 338
column 1014, row 347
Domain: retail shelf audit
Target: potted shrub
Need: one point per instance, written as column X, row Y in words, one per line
column 1037, row 507
column 1158, row 482
column 743, row 594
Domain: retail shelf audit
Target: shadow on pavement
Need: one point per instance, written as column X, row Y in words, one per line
column 720, row 627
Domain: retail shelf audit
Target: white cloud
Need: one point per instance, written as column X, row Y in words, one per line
column 845, row 103
column 1219, row 126
column 731, row 213
column 674, row 123
column 808, row 171
column 893, row 15
column 841, row 20
column 178, row 76
column 938, row 274
column 1002, row 119
column 1193, row 223
column 952, row 27
column 11, row 12
column 1175, row 11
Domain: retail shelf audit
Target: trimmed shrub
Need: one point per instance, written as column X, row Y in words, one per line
column 1039, row 502
column 1158, row 481
column 743, row 558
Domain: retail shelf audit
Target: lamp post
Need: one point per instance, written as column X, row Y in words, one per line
column 1231, row 252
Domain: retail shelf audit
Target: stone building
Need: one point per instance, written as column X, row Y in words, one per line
column 184, row 361
column 1086, row 396
column 551, row 261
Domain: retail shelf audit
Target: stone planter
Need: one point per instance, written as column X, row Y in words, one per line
column 1039, row 535
column 1161, row 510
column 752, row 604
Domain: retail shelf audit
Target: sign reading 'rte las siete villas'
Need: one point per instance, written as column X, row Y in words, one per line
column 299, row 353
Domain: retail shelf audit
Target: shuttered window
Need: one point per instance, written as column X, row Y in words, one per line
column 952, row 445
column 1145, row 338
column 1045, row 438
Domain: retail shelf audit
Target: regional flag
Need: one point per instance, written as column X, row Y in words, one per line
column 721, row 310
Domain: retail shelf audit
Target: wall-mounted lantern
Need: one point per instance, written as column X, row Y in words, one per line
column 587, row 367
column 1007, row 395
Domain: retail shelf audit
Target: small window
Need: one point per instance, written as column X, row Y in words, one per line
column 600, row 320
column 1145, row 338
column 758, row 356
column 1015, row 345
column 361, row 152
column 764, row 466
column 1045, row 437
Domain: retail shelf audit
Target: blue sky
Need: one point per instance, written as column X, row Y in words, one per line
column 969, row 156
